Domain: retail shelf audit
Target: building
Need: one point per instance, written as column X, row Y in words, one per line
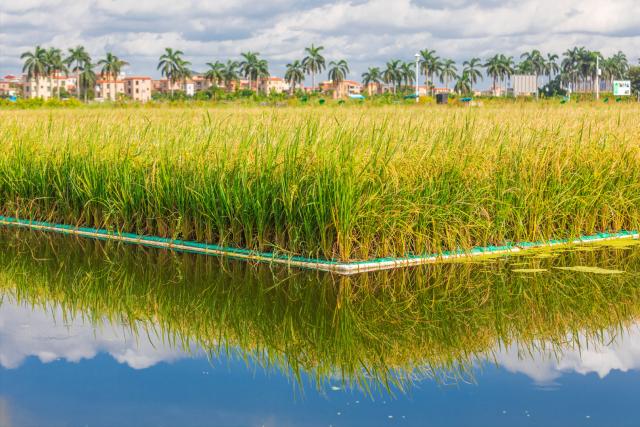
column 273, row 84
column 109, row 90
column 187, row 86
column 524, row 84
column 5, row 88
column 47, row 86
column 344, row 88
column 138, row 88
column 200, row 82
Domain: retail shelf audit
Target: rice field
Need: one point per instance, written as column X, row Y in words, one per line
column 344, row 184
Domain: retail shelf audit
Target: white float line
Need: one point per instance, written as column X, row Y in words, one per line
column 344, row 268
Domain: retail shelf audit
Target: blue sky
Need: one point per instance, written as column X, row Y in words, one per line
column 365, row 32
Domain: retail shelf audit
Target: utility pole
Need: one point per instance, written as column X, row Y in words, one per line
column 597, row 77
column 417, row 78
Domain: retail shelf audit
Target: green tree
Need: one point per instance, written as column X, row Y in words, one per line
column 215, row 73
column 86, row 79
column 172, row 66
column 408, row 73
column 464, row 84
column 392, row 74
column 111, row 66
column 35, row 65
column 253, row 68
column 449, row 72
column 634, row 76
column 54, row 67
column 373, row 76
column 77, row 57
column 471, row 70
column 313, row 63
column 230, row 74
column 536, row 63
column 294, row 74
column 338, row 71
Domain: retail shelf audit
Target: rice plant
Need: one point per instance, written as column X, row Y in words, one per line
column 343, row 184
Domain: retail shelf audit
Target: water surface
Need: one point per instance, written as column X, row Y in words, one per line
column 102, row 334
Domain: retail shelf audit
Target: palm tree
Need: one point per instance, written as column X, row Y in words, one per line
column 507, row 67
column 407, row 73
column 111, row 67
column 55, row 66
column 536, row 63
column 494, row 69
column 471, row 69
column 337, row 73
column 86, row 79
column 499, row 67
column 569, row 66
column 294, row 74
column 372, row 76
column 464, row 84
column 230, row 74
column 172, row 66
column 430, row 65
column 79, row 58
column 253, row 68
column 313, row 63
column 35, row 66
column 215, row 73
column 425, row 59
column 551, row 67
column 391, row 74
column 184, row 72
column 448, row 72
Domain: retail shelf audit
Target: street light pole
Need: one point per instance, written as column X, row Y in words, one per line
column 417, row 78
column 597, row 77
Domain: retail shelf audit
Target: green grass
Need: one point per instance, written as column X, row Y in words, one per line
column 374, row 330
column 336, row 183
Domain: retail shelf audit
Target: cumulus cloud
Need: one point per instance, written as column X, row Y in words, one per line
column 365, row 32
column 49, row 335
column 621, row 353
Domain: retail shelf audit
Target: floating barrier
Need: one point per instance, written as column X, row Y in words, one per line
column 339, row 267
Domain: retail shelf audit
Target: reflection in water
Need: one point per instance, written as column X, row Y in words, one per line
column 381, row 329
column 44, row 332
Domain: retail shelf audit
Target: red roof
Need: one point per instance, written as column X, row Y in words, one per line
column 137, row 78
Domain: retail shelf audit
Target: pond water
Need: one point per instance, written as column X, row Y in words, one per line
column 103, row 334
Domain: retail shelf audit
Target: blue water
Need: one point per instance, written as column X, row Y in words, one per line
column 57, row 373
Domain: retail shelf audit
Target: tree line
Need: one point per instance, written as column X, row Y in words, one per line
column 575, row 68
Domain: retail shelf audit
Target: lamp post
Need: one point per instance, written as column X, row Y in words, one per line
column 417, row 77
column 597, row 77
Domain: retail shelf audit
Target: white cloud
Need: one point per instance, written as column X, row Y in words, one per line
column 622, row 353
column 48, row 335
column 364, row 32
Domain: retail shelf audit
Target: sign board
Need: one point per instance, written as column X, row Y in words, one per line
column 524, row 84
column 621, row 88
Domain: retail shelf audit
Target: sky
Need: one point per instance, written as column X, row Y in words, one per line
column 364, row 32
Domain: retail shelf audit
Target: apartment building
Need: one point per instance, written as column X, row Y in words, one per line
column 109, row 90
column 47, row 87
column 273, row 84
column 138, row 88
column 344, row 88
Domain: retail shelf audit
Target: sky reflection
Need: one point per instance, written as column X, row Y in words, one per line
column 58, row 372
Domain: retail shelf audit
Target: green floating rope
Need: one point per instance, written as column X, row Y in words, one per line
column 298, row 261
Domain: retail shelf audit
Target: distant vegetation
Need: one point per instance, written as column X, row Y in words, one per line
column 575, row 68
